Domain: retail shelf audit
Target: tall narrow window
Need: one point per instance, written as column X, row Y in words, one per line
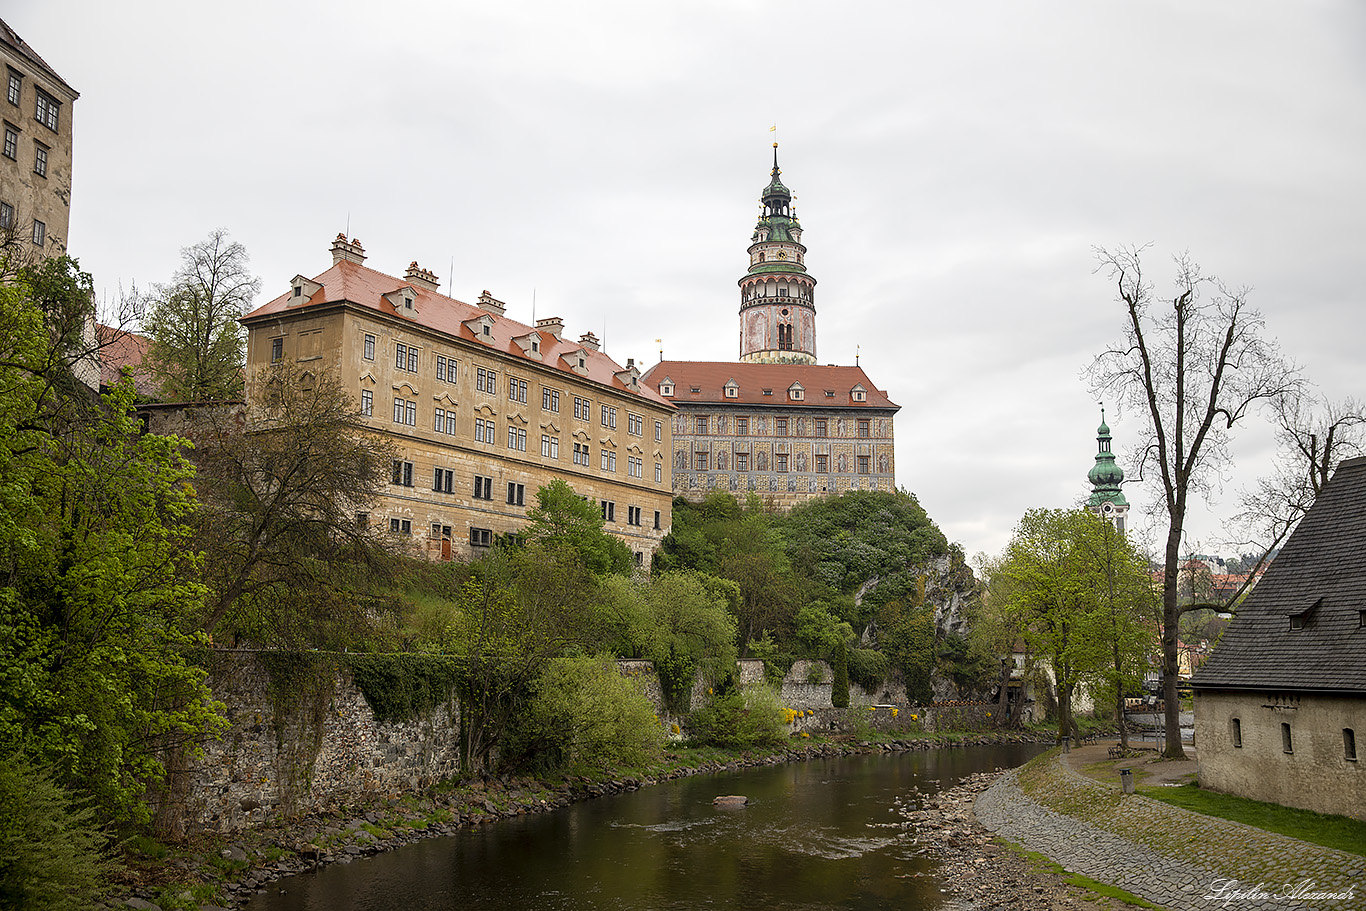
column 367, row 402
column 369, row 347
column 1236, row 729
column 1286, row 744
column 1349, row 744
column 40, row 159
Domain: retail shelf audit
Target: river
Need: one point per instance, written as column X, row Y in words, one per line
column 812, row 838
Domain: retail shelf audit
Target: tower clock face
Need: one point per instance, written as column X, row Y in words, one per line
column 1108, row 508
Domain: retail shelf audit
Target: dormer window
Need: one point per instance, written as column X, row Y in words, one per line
column 695, row 390
column 796, row 393
column 1300, row 618
column 407, row 303
column 768, row 392
column 732, row 391
column 859, row 394
column 298, row 290
column 488, row 330
column 535, row 345
column 668, row 389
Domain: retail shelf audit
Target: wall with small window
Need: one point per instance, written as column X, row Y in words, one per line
column 1293, row 749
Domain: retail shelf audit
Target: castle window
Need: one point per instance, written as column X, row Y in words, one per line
column 1349, row 744
column 821, row 426
column 517, row 438
column 481, row 537
column 550, row 400
column 401, row 526
column 701, row 426
column 11, row 142
column 443, row 481
column 768, row 392
column 742, row 461
column 45, row 110
column 863, row 429
column 609, row 511
column 656, row 520
column 1236, row 730
column 550, row 446
column 516, row 494
column 796, row 394
column 732, row 392
column 822, row 464
column 277, row 350
column 666, row 389
column 635, row 424
column 517, row 390
column 1286, row 745
column 403, row 473
column 39, row 232
column 659, row 479
column 780, row 462
column 701, row 458
column 860, row 395
column 659, row 435
column 483, row 487
column 6, row 215
column 16, row 85
column 780, row 427
column 864, row 464
column 367, row 402
column 369, row 339
column 742, row 427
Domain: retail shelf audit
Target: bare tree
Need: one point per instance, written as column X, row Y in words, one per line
column 1313, row 436
column 285, row 489
column 1196, row 366
column 198, row 347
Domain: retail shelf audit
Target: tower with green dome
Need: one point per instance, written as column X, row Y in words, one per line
column 777, row 295
column 1107, row 497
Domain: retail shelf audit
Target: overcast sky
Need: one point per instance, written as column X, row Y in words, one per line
column 954, row 164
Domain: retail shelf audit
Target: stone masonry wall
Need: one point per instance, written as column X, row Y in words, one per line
column 320, row 747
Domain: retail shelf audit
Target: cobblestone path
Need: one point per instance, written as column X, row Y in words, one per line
column 1179, row 860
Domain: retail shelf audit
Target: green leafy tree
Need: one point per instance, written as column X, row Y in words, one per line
column 100, row 598
column 839, row 687
column 562, row 518
column 198, row 346
column 1080, row 597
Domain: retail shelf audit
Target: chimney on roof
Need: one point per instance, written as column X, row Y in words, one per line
column 552, row 324
column 590, row 341
column 487, row 302
column 349, row 250
column 423, row 278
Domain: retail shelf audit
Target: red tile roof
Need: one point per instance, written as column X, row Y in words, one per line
column 364, row 287
column 119, row 349
column 824, row 386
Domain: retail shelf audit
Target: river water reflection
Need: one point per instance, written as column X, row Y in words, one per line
column 810, row 839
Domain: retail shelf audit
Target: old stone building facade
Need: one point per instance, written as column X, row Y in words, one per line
column 776, row 423
column 1280, row 705
column 481, row 410
column 35, row 161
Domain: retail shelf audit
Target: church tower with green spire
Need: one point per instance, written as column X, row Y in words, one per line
column 777, row 295
column 1107, row 499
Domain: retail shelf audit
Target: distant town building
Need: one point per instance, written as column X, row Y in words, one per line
column 1107, row 497
column 481, row 410
column 1280, row 704
column 35, row 166
column 776, row 423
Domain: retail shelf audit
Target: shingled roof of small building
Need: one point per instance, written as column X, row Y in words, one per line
column 1319, row 580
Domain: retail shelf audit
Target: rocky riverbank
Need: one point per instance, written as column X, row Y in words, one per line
column 979, row 873
column 211, row 874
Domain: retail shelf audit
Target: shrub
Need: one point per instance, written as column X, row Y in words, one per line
column 583, row 713
column 867, row 667
column 50, row 850
column 740, row 718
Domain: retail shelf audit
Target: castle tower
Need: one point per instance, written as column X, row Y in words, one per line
column 777, row 300
column 1107, row 499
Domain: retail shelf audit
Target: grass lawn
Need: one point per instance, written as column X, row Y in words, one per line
column 1338, row 832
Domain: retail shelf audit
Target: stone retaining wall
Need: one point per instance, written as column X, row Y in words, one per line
column 316, row 747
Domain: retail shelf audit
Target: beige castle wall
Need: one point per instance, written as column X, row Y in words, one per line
column 1316, row 776
column 334, row 340
column 47, row 199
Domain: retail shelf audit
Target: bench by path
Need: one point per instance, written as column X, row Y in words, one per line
column 1174, row 858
